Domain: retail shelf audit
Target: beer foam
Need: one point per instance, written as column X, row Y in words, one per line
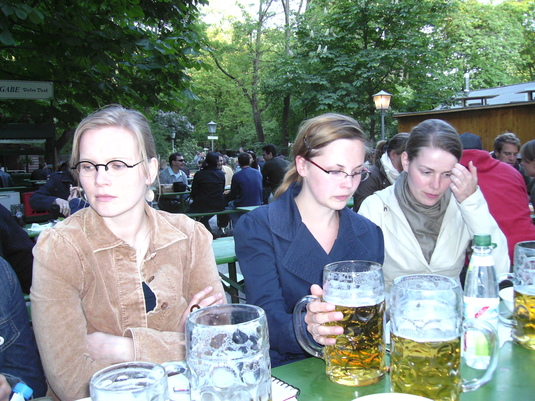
column 352, row 299
column 419, row 337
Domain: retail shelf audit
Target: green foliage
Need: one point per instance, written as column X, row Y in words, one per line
column 486, row 41
column 136, row 53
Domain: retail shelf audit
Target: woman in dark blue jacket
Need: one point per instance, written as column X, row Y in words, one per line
column 282, row 247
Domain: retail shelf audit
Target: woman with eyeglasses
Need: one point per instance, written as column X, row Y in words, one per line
column 282, row 247
column 428, row 217
column 116, row 281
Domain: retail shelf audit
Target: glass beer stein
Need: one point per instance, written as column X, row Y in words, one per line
column 358, row 291
column 426, row 330
column 140, row 381
column 227, row 353
column 523, row 279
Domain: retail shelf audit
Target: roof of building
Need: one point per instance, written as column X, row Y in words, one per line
column 500, row 95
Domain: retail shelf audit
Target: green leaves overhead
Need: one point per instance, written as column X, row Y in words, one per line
column 135, row 52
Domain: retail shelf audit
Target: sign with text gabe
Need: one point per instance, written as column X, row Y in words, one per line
column 213, row 137
column 26, row 90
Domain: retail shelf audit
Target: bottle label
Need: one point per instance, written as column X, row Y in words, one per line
column 476, row 349
column 480, row 260
column 482, row 308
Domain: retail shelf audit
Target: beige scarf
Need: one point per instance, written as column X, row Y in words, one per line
column 425, row 221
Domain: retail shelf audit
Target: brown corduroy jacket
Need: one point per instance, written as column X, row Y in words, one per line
column 86, row 280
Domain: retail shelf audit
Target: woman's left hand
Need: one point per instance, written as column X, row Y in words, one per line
column 463, row 181
column 110, row 349
column 201, row 299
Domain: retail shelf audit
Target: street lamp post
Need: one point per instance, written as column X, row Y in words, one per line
column 382, row 102
column 211, row 130
column 173, row 135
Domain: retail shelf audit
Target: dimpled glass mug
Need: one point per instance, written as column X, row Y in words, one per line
column 228, row 353
column 523, row 279
column 139, row 381
column 426, row 330
column 358, row 291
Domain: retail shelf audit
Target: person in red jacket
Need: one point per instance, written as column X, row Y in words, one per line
column 504, row 190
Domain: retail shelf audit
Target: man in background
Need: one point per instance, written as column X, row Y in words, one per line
column 171, row 175
column 504, row 191
column 273, row 171
column 5, row 179
column 246, row 187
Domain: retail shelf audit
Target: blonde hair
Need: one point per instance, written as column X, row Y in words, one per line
column 117, row 116
column 313, row 135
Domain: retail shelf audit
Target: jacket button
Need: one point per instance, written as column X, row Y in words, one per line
column 165, row 305
column 1, row 340
column 150, row 279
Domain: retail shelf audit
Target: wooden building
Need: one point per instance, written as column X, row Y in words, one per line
column 487, row 113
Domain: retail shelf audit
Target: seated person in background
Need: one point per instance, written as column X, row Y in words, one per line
column 170, row 175
column 53, row 196
column 246, row 187
column 5, row 179
column 282, row 247
column 506, row 148
column 504, row 190
column 42, row 173
column 207, row 189
column 429, row 217
column 385, row 171
column 380, row 149
column 273, row 171
column 19, row 359
column 116, row 281
column 16, row 247
column 223, row 161
column 528, row 163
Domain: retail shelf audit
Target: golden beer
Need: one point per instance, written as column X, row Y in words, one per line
column 428, row 368
column 524, row 317
column 358, row 357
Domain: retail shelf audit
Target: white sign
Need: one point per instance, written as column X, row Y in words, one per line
column 26, row 90
column 212, row 137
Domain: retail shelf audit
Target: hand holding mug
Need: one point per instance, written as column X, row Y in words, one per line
column 319, row 313
column 353, row 332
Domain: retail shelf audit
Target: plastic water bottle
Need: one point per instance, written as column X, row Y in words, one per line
column 481, row 300
column 21, row 392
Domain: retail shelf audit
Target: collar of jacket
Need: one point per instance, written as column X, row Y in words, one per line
column 285, row 222
column 99, row 236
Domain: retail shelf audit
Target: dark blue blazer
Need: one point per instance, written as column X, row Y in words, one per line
column 57, row 186
column 246, row 187
column 280, row 260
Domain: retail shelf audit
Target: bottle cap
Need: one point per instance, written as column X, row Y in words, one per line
column 482, row 240
column 24, row 390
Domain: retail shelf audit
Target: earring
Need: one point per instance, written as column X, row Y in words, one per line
column 149, row 195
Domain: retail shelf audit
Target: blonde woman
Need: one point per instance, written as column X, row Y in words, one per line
column 115, row 282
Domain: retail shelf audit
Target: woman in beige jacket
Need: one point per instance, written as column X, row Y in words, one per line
column 116, row 281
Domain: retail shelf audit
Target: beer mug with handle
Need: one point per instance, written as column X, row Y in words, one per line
column 228, row 353
column 426, row 330
column 523, row 280
column 140, row 381
column 358, row 291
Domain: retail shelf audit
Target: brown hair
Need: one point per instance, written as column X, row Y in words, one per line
column 528, row 151
column 316, row 133
column 436, row 134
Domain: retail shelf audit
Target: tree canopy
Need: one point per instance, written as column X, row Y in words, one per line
column 136, row 52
